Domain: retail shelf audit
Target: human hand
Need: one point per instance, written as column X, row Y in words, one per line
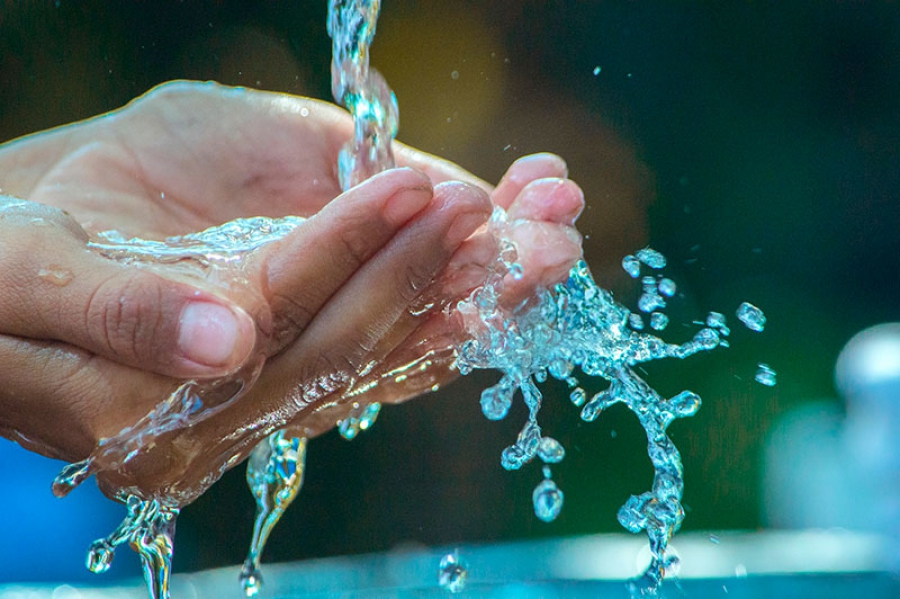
column 181, row 159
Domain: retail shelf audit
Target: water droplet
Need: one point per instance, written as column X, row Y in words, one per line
column 651, row 258
column 667, row 287
column 636, row 322
column 369, row 415
column 100, row 556
column 650, row 300
column 515, row 271
column 251, row 580
column 659, row 321
column 715, row 320
column 454, row 75
column 752, row 317
column 577, row 396
column 360, row 418
column 496, row 401
column 452, row 573
column 548, row 500
column 765, row 375
column 551, row 451
column 685, row 404
column 57, row 275
column 632, row 266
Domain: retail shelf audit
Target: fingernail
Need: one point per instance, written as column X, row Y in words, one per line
column 406, row 203
column 553, row 199
column 472, row 204
column 208, row 333
column 536, row 166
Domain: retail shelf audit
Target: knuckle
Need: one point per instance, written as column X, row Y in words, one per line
column 353, row 249
column 292, row 315
column 122, row 315
column 412, row 280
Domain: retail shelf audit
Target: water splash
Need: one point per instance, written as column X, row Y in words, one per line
column 275, row 476
column 547, row 498
column 578, row 324
column 149, row 528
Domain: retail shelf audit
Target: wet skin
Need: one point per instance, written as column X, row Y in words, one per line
column 89, row 345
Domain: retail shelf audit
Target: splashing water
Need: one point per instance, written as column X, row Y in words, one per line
column 215, row 255
column 274, row 475
column 149, row 528
column 578, row 324
column 275, row 469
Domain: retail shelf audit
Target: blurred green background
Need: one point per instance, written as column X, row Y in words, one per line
column 754, row 143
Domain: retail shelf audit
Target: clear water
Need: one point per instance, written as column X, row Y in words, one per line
column 361, row 90
column 578, row 325
column 214, row 254
column 149, row 528
column 275, row 476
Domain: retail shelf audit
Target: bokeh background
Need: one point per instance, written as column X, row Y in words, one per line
column 754, row 143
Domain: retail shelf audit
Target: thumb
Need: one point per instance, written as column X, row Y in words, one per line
column 53, row 287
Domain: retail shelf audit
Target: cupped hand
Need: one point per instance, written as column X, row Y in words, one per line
column 88, row 345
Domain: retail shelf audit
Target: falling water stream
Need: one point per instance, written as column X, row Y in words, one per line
column 575, row 329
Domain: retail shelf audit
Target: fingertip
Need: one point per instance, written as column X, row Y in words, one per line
column 550, row 199
column 214, row 339
column 525, row 170
column 413, row 196
column 540, row 163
